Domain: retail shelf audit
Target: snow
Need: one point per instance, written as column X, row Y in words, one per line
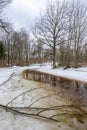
column 12, row 84
column 79, row 74
column 71, row 73
column 4, row 75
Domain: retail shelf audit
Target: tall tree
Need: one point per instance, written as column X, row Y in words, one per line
column 2, row 54
column 5, row 27
column 20, row 48
column 3, row 3
column 77, row 29
column 50, row 28
column 2, row 50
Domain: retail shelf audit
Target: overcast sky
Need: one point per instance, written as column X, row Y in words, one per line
column 23, row 12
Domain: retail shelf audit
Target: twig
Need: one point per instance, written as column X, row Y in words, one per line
column 26, row 114
column 7, row 79
column 50, row 108
column 56, row 108
column 36, row 115
column 41, row 99
column 64, row 114
column 25, row 93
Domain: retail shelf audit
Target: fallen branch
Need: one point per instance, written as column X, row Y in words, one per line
column 7, row 79
column 52, row 108
column 56, row 108
column 42, row 98
column 37, row 115
column 26, row 114
column 25, row 93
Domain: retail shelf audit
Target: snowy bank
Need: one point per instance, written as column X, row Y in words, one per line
column 79, row 74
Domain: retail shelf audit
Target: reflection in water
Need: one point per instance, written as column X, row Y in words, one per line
column 74, row 91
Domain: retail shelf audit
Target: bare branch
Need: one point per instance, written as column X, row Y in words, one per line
column 42, row 98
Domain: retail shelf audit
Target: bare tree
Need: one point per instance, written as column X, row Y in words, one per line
column 77, row 29
column 3, row 3
column 20, row 48
column 50, row 28
column 5, row 27
column 3, row 23
column 26, row 41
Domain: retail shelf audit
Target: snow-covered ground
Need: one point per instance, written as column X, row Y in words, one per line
column 12, row 84
column 71, row 73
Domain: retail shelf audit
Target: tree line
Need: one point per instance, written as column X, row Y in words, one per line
column 59, row 36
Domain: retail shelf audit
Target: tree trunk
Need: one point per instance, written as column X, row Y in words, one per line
column 54, row 57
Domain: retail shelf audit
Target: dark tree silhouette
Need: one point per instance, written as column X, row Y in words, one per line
column 2, row 50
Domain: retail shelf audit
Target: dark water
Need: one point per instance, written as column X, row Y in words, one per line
column 74, row 91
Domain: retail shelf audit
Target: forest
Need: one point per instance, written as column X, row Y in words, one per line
column 58, row 36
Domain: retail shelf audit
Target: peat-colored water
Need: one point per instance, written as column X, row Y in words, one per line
column 74, row 91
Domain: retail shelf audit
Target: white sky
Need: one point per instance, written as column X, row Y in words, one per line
column 23, row 12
